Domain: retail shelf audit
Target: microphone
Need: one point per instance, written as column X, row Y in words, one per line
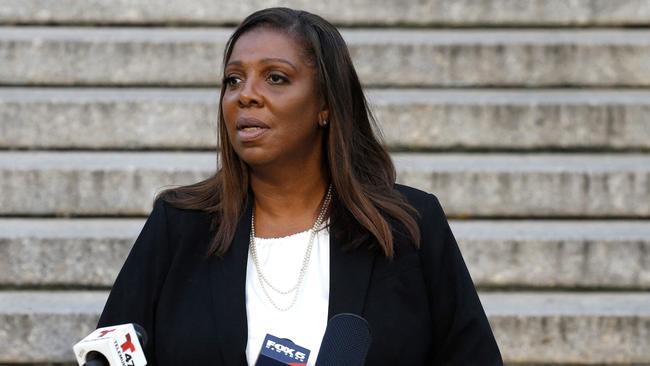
column 346, row 341
column 113, row 346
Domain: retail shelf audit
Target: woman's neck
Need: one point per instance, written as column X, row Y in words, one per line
column 287, row 202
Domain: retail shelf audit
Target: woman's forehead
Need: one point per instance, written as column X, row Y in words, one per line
column 264, row 45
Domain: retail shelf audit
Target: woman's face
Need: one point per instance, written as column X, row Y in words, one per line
column 270, row 104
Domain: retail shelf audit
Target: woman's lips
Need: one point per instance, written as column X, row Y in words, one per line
column 248, row 134
column 250, row 129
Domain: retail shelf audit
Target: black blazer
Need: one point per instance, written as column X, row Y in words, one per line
column 422, row 307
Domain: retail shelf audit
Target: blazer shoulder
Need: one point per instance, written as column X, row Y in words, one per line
column 178, row 217
column 427, row 204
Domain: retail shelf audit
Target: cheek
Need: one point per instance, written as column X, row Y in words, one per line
column 229, row 111
column 227, row 104
column 298, row 111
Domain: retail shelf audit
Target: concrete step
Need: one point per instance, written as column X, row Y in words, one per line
column 549, row 328
column 499, row 254
column 359, row 12
column 384, row 57
column 64, row 252
column 40, row 327
column 430, row 119
column 470, row 185
column 571, row 328
column 572, row 255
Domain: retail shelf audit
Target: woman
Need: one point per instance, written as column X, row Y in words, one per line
column 302, row 221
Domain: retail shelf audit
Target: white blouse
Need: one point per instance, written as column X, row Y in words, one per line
column 280, row 261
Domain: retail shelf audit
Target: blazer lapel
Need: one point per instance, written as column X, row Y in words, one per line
column 349, row 277
column 229, row 294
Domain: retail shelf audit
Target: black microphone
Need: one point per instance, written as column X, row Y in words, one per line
column 94, row 358
column 346, row 341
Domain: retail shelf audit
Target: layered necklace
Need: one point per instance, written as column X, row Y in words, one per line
column 264, row 282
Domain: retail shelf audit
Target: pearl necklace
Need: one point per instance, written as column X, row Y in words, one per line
column 305, row 262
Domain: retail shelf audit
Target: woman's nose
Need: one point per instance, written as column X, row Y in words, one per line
column 248, row 94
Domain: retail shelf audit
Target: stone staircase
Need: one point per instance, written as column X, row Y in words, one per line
column 530, row 120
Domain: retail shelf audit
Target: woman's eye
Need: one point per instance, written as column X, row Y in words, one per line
column 277, row 79
column 230, row 80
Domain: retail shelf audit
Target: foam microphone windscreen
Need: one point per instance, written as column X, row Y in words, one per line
column 346, row 341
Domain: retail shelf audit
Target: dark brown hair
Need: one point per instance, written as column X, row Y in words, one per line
column 361, row 170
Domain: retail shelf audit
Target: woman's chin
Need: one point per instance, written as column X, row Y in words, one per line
column 255, row 157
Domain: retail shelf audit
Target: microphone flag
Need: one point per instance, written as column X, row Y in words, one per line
column 281, row 352
column 118, row 343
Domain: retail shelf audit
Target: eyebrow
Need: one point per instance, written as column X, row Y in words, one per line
column 266, row 61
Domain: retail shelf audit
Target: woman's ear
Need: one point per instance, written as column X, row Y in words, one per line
column 323, row 118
